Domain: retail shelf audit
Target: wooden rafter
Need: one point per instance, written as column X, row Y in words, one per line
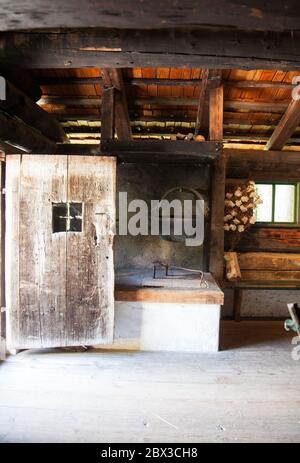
column 20, row 105
column 286, row 127
column 17, row 134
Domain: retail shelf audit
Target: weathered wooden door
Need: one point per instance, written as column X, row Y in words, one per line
column 60, row 219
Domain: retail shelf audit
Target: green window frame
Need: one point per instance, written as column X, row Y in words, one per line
column 273, row 222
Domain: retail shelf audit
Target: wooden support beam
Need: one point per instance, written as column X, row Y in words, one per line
column 216, row 261
column 201, row 101
column 286, row 127
column 261, row 164
column 20, row 105
column 149, row 151
column 15, row 133
column 114, row 78
column 113, row 48
column 162, row 150
column 239, row 156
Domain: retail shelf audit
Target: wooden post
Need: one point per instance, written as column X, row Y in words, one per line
column 108, row 115
column 216, row 261
column 237, row 303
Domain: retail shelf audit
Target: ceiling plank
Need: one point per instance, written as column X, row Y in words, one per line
column 286, row 127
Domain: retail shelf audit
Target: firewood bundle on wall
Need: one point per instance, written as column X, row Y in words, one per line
column 239, row 212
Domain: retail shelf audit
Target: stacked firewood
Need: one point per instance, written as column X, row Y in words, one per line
column 239, row 215
column 189, row 137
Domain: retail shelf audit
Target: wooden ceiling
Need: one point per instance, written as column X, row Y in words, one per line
column 165, row 102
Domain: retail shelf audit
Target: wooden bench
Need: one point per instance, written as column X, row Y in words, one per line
column 265, row 271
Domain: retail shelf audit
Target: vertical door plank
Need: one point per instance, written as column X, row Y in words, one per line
column 42, row 254
column 12, row 249
column 90, row 272
column 53, row 189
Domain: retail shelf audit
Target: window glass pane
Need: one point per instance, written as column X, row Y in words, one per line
column 76, row 210
column 284, row 203
column 264, row 210
column 59, row 217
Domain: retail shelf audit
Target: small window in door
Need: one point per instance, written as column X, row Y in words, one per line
column 67, row 217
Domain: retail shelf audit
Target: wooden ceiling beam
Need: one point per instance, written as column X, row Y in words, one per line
column 180, row 48
column 149, row 151
column 53, row 81
column 236, row 156
column 253, row 163
column 233, row 105
column 286, row 127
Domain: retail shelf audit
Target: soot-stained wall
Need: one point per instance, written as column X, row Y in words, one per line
column 149, row 182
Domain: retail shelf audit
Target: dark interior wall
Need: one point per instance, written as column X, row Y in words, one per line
column 149, row 182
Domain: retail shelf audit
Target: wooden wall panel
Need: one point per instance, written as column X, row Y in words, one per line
column 271, row 239
column 40, row 283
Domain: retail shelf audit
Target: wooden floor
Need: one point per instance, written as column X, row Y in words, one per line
column 248, row 392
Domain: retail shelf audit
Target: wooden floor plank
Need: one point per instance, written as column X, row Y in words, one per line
column 248, row 392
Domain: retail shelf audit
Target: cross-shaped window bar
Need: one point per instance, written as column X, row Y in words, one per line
column 67, row 217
